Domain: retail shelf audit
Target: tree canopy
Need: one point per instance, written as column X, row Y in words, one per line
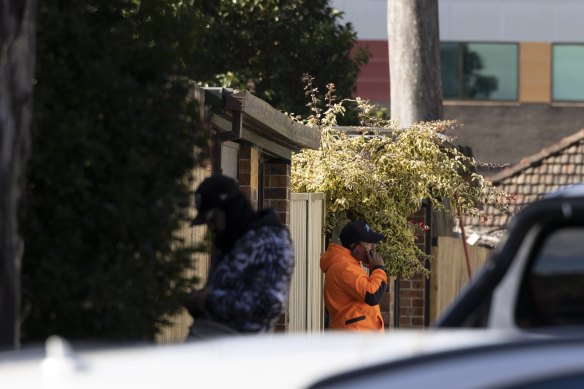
column 267, row 45
column 384, row 174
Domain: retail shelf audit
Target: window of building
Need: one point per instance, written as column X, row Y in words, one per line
column 450, row 63
column 479, row 71
column 229, row 159
column 567, row 76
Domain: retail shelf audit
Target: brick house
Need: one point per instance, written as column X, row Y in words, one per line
column 253, row 143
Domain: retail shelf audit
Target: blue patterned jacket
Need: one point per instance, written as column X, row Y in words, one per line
column 248, row 286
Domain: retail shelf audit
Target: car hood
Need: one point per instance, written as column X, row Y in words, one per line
column 262, row 361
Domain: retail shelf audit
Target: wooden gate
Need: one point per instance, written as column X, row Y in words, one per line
column 449, row 271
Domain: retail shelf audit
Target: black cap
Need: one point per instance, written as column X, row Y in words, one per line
column 211, row 193
column 359, row 231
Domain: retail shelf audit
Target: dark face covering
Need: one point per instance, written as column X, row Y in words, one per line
column 238, row 215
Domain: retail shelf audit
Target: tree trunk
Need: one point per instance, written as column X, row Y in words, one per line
column 414, row 61
column 17, row 60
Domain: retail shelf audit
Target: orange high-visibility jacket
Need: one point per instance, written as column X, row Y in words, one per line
column 351, row 296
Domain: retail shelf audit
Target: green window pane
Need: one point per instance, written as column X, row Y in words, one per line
column 450, row 68
column 567, row 73
column 489, row 71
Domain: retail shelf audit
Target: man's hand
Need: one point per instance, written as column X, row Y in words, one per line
column 195, row 302
column 374, row 260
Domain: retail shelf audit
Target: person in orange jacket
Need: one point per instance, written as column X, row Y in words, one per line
column 352, row 296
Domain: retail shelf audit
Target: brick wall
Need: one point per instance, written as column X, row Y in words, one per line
column 386, row 305
column 411, row 302
column 248, row 173
column 277, row 189
column 277, row 196
column 412, row 291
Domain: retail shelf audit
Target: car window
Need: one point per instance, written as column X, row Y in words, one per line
column 552, row 291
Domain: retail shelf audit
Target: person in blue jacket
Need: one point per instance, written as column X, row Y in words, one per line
column 251, row 268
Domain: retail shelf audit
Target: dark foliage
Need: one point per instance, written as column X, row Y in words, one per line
column 109, row 176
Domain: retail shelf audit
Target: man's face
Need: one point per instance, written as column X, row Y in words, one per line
column 361, row 250
column 215, row 220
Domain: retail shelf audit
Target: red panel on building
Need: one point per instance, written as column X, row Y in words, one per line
column 373, row 80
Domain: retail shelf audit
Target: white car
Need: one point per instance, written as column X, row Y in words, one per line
column 470, row 357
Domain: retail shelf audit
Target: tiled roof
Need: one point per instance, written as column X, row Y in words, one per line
column 529, row 180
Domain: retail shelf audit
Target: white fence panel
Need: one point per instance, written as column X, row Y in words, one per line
column 307, row 213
